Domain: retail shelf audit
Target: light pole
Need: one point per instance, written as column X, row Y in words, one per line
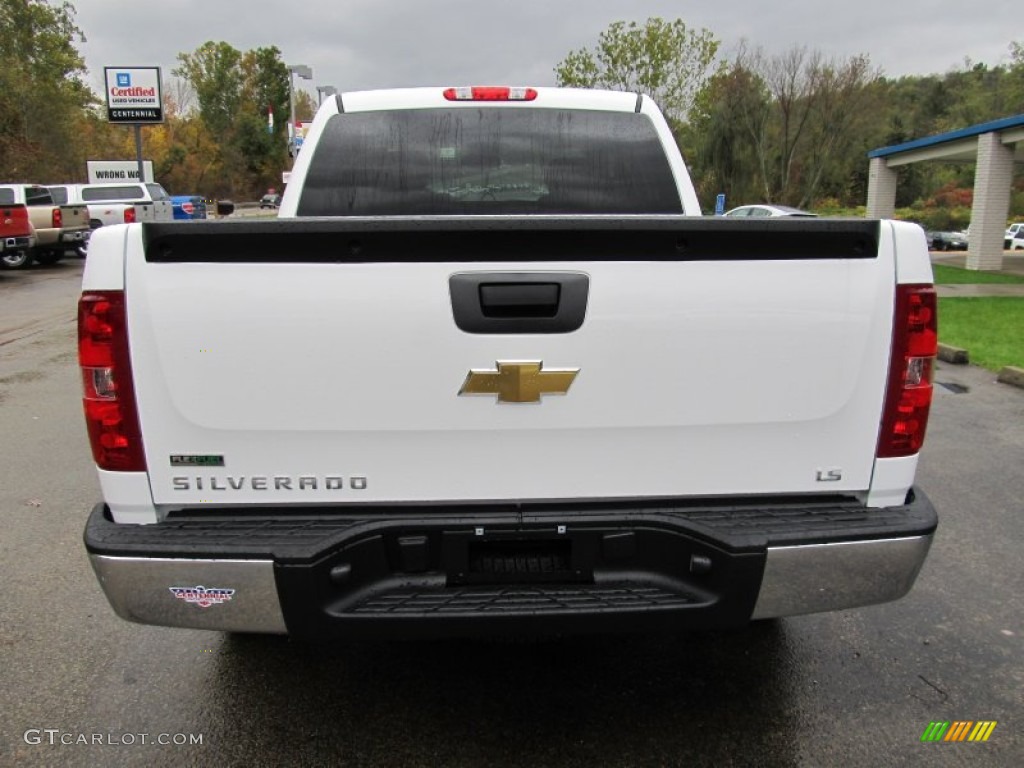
column 324, row 90
column 306, row 73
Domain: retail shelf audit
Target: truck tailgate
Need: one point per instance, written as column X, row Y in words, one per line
column 74, row 216
column 319, row 361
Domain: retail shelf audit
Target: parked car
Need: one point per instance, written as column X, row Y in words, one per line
column 188, row 207
column 947, row 241
column 1014, row 232
column 270, row 201
column 762, row 211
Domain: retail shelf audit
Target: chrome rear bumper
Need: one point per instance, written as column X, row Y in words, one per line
column 142, row 589
column 829, row 577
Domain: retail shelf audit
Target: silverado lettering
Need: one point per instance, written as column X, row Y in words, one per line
column 263, row 483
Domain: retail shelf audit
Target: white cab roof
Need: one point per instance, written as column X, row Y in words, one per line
column 432, row 98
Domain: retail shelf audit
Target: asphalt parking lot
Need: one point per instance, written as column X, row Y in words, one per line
column 850, row 688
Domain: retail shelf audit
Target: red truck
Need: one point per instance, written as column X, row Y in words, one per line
column 17, row 237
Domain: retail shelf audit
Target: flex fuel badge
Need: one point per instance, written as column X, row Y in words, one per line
column 202, row 596
column 192, row 460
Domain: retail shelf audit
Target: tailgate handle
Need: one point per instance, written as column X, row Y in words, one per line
column 519, row 299
column 519, row 302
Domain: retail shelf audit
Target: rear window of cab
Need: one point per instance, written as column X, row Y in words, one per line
column 488, row 161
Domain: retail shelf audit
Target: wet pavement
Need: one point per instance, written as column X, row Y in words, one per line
column 1013, row 261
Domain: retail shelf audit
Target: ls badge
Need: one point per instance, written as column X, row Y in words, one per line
column 519, row 382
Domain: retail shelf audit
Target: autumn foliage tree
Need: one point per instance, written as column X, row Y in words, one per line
column 235, row 92
column 42, row 93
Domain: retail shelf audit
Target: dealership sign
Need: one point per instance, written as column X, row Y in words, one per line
column 133, row 95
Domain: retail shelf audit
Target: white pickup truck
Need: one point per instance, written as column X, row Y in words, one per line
column 118, row 203
column 492, row 372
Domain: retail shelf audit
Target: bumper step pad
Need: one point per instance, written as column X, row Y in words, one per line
column 549, row 598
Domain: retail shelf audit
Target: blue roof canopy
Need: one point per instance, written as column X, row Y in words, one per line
column 943, row 138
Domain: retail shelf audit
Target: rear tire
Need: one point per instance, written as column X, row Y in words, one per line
column 49, row 257
column 16, row 259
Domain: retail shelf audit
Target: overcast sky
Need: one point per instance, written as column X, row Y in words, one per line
column 358, row 44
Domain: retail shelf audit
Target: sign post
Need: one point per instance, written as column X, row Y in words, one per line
column 719, row 204
column 134, row 98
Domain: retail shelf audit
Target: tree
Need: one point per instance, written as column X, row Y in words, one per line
column 235, row 91
column 798, row 113
column 305, row 107
column 213, row 71
column 265, row 86
column 1016, row 75
column 726, row 119
column 41, row 90
column 841, row 108
column 265, row 89
column 664, row 60
column 181, row 96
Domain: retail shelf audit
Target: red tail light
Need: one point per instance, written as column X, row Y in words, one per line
column 490, row 93
column 911, row 366
column 57, row 218
column 129, row 215
column 108, row 394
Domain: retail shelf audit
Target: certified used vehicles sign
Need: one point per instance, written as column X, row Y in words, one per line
column 133, row 95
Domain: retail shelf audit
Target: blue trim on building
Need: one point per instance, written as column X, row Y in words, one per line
column 943, row 138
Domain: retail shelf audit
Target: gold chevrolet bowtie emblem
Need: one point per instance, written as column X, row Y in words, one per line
column 519, row 382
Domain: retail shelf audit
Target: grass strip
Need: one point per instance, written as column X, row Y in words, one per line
column 946, row 275
column 990, row 329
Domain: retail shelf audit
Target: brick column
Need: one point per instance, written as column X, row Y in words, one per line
column 992, row 181
column 881, row 189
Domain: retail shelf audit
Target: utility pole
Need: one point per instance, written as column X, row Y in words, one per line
column 306, row 73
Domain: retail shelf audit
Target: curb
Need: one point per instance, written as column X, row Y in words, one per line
column 1011, row 375
column 954, row 355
